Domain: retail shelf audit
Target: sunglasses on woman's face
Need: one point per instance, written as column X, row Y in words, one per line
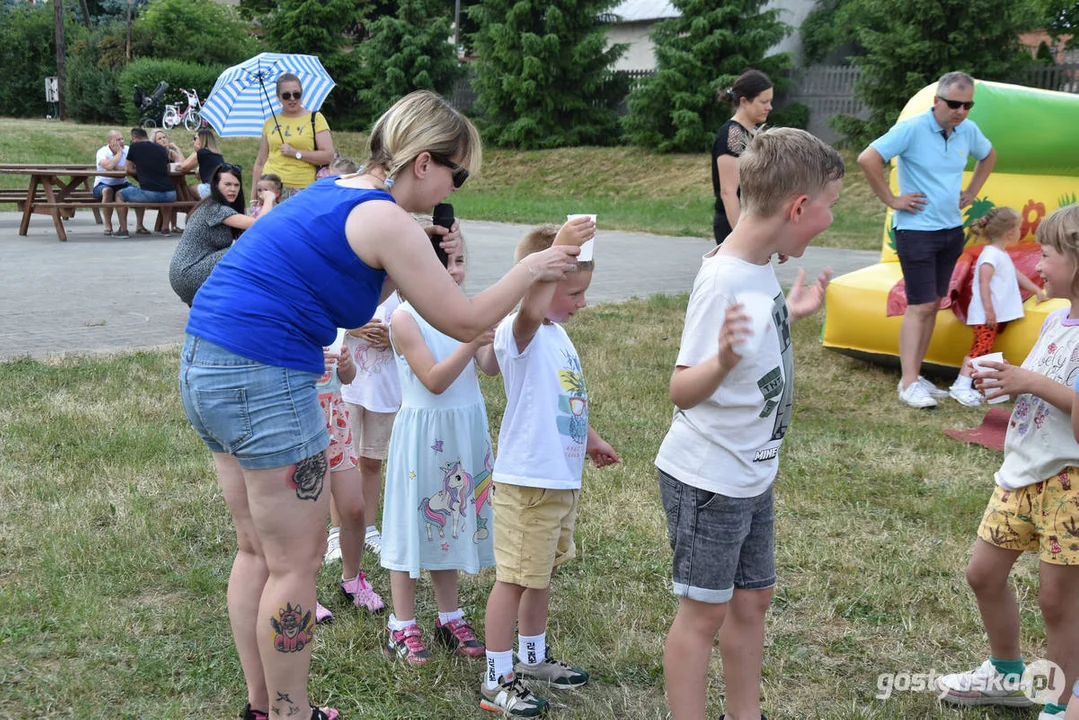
column 460, row 174
column 291, row 96
column 956, row 104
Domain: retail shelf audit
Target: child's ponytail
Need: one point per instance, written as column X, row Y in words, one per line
column 996, row 223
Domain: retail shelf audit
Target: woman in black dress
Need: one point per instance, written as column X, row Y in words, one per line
column 751, row 98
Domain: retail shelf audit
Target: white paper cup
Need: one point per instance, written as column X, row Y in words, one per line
column 759, row 308
column 587, row 246
column 991, row 357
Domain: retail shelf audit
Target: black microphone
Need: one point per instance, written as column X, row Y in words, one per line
column 443, row 216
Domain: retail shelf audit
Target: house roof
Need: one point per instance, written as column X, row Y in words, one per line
column 640, row 10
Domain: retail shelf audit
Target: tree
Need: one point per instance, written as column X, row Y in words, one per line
column 697, row 54
column 544, row 73
column 201, row 31
column 404, row 52
column 28, row 55
column 910, row 43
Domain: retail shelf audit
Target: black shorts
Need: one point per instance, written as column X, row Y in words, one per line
column 928, row 259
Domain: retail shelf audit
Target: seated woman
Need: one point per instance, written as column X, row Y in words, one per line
column 175, row 153
column 211, row 229
column 207, row 157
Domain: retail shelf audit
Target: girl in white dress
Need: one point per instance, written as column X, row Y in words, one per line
column 437, row 512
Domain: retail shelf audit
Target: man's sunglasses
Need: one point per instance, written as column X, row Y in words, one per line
column 956, row 104
column 291, row 96
column 460, row 174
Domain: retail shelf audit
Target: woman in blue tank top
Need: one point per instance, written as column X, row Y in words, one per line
column 253, row 354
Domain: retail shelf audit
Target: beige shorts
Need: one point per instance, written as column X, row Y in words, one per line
column 370, row 431
column 533, row 532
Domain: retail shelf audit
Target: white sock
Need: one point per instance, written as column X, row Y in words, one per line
column 334, row 531
column 963, row 382
column 371, row 530
column 346, row 581
column 532, row 649
column 446, row 618
column 499, row 665
column 396, row 625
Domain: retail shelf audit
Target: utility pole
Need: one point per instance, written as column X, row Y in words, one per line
column 128, row 52
column 457, row 26
column 58, row 19
column 85, row 13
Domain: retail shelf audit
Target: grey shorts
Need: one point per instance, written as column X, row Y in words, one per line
column 720, row 543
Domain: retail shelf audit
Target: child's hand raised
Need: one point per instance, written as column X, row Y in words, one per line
column 736, row 328
column 803, row 300
column 576, row 231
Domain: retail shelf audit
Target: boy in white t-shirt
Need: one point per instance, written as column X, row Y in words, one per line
column 542, row 444
column 720, row 456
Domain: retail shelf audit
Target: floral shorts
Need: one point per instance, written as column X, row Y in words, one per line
column 342, row 454
column 1043, row 517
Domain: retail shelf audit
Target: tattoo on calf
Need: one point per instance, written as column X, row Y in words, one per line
column 293, row 630
column 308, row 476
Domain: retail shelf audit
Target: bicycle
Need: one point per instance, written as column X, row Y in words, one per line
column 191, row 116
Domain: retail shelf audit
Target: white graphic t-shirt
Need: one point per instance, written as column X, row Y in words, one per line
column 377, row 386
column 1040, row 442
column 1003, row 288
column 729, row 444
column 545, row 426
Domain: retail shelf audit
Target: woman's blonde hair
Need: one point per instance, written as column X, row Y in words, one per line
column 996, row 223
column 209, row 141
column 419, row 122
column 1060, row 231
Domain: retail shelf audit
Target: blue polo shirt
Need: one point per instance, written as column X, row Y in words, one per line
column 931, row 164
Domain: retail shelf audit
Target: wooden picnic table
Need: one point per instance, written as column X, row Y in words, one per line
column 49, row 193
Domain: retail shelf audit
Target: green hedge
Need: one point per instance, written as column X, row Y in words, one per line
column 178, row 74
column 794, row 115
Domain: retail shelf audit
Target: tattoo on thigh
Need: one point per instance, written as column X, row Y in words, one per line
column 307, row 477
column 293, row 629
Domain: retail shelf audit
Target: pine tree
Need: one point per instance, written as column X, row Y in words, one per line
column 697, row 55
column 545, row 77
column 408, row 51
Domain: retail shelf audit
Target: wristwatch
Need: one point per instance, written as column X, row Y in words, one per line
column 299, row 155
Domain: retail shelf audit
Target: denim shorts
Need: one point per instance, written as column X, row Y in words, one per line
column 927, row 258
column 138, row 195
column 264, row 415
column 720, row 543
column 99, row 189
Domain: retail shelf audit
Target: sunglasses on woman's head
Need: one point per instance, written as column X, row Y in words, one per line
column 460, row 174
column 291, row 96
column 238, row 169
column 956, row 104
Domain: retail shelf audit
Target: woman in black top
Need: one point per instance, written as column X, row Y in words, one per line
column 751, row 97
column 207, row 156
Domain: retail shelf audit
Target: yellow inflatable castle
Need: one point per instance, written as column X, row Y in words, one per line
column 1036, row 136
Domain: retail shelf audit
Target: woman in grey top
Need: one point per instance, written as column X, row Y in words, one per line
column 211, row 229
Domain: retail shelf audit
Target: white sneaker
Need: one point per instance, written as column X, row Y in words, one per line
column 1054, row 716
column 983, row 686
column 373, row 542
column 333, row 547
column 933, row 390
column 915, row 395
column 966, row 396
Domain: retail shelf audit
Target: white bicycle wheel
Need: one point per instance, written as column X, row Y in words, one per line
column 170, row 120
column 192, row 121
column 148, row 122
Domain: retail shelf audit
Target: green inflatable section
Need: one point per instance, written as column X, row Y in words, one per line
column 1035, row 132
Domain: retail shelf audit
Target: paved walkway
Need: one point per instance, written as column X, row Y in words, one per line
column 96, row 294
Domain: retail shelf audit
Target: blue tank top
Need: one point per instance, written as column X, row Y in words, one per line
column 280, row 293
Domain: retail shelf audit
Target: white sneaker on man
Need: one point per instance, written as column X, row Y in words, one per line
column 933, row 390
column 915, row 395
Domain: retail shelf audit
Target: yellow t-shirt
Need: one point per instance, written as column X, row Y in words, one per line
column 297, row 133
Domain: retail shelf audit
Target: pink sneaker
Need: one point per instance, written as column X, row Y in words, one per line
column 408, row 645
column 360, row 592
column 458, row 637
column 322, row 615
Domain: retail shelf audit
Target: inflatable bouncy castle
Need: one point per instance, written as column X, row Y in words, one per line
column 1036, row 136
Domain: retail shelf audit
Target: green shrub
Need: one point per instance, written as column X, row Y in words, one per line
column 94, row 65
column 793, row 115
column 178, row 74
column 200, row 31
column 28, row 56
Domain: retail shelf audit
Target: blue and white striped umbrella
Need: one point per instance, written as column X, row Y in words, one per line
column 245, row 94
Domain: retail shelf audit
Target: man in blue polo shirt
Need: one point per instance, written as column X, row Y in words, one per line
column 933, row 149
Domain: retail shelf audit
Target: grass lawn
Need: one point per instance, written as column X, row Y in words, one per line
column 629, row 188
column 115, row 549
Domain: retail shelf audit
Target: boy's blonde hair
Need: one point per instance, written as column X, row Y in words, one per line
column 540, row 238
column 781, row 163
column 423, row 121
column 996, row 223
column 1060, row 231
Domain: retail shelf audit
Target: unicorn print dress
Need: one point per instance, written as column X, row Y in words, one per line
column 437, row 510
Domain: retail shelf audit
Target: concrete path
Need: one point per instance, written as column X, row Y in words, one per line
column 96, row 294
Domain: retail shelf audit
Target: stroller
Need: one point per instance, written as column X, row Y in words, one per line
column 150, row 106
